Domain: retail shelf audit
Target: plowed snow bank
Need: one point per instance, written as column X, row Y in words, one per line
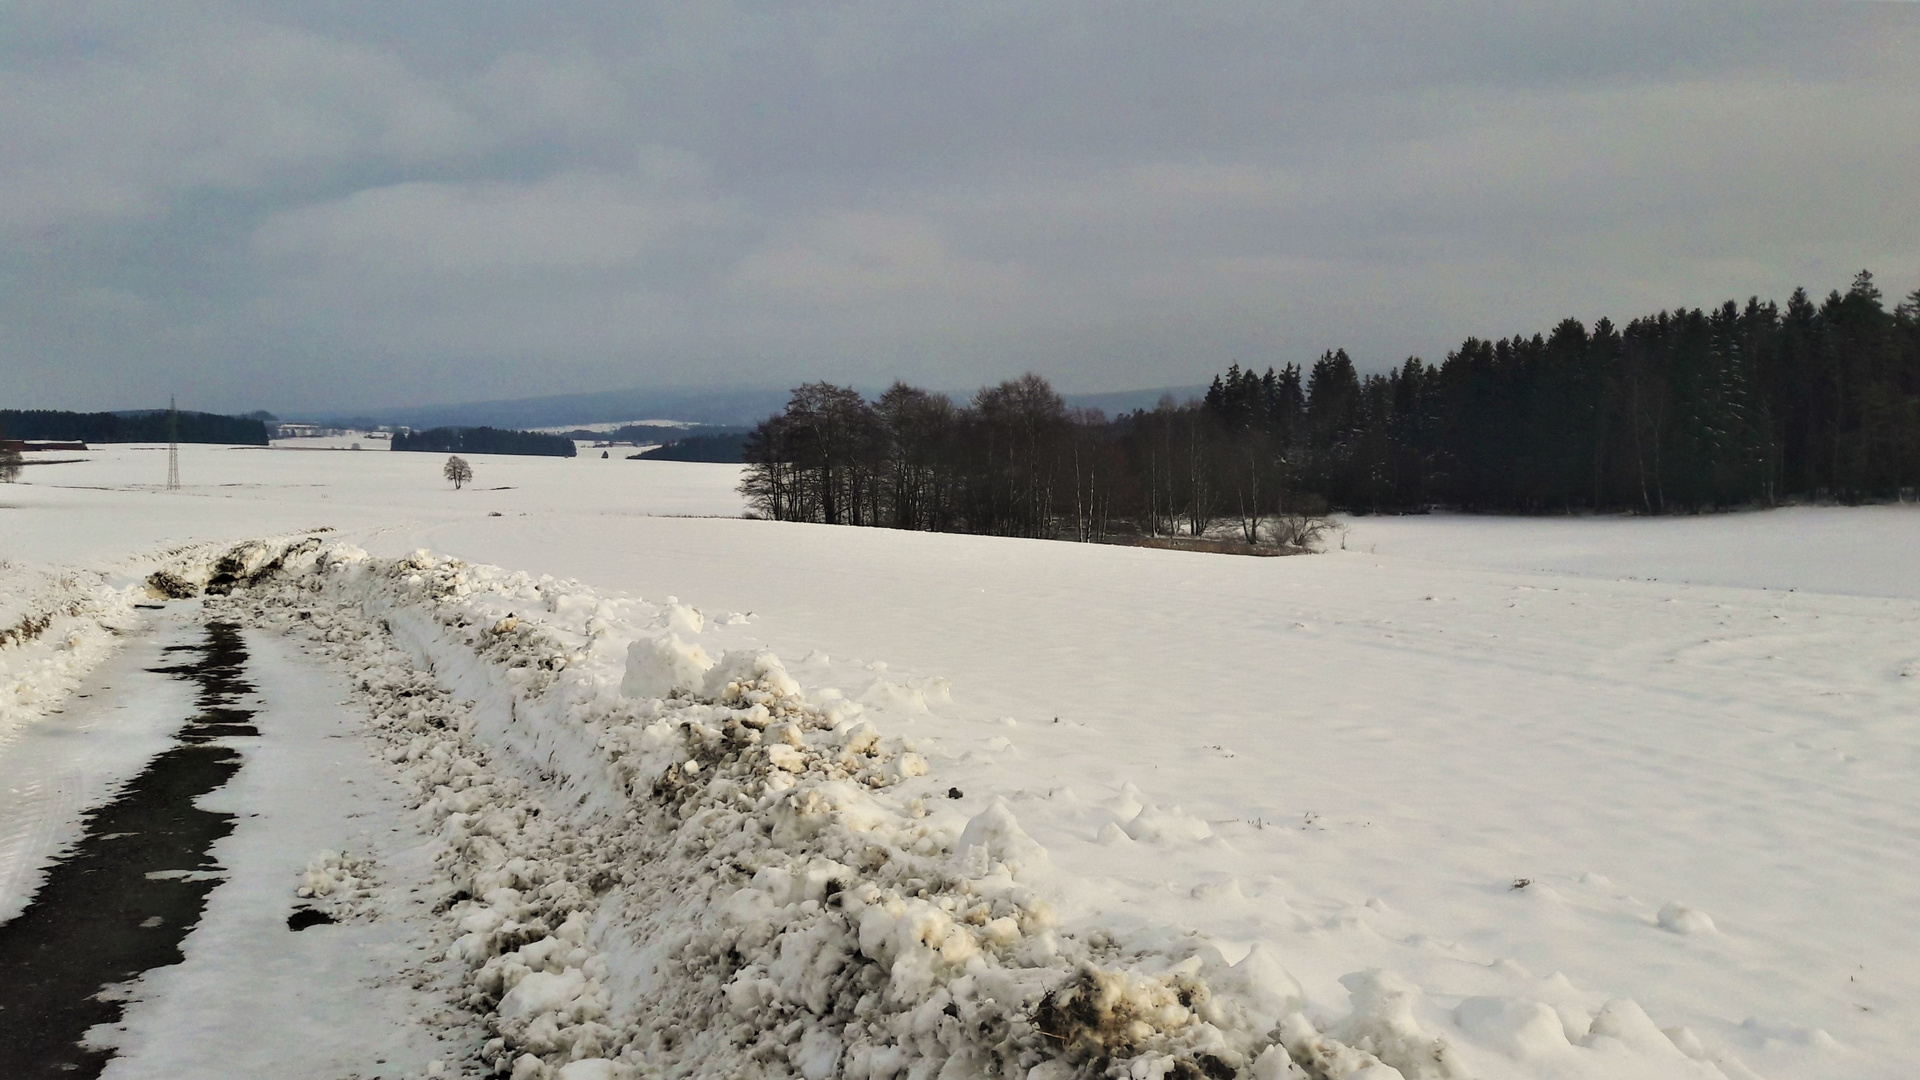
column 668, row 864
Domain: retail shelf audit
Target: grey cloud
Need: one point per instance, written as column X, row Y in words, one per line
column 304, row 206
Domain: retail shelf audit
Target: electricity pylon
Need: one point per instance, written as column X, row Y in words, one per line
column 173, row 446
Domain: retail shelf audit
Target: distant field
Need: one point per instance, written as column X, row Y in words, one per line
column 1316, row 765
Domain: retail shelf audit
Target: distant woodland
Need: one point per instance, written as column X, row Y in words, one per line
column 484, row 440
column 1680, row 411
column 106, row 427
column 719, row 446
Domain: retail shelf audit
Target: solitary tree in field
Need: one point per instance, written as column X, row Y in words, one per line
column 9, row 465
column 458, row 471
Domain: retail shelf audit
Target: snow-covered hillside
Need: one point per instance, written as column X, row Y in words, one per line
column 1484, row 798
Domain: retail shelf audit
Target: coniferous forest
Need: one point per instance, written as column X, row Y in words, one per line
column 1683, row 411
column 484, row 440
column 155, row 425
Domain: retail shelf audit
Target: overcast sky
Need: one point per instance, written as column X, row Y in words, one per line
column 304, row 206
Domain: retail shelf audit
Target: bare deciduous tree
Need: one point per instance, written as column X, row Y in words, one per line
column 458, row 471
column 1300, row 531
column 9, row 465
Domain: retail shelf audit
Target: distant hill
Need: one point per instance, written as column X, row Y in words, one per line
column 562, row 411
column 1116, row 402
column 722, row 408
column 146, row 426
column 650, row 431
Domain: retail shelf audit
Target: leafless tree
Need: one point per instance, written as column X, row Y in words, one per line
column 1024, row 423
column 458, row 471
column 916, row 433
column 9, row 465
column 820, row 460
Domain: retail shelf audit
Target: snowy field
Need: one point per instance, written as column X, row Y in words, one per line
column 1471, row 797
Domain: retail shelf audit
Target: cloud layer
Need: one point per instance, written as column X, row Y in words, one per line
column 310, row 208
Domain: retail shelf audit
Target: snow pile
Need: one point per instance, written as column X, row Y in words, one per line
column 340, row 885
column 662, row 862
column 54, row 628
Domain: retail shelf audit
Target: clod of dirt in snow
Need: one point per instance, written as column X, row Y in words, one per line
column 1681, row 919
column 166, row 585
column 305, row 917
column 1104, row 1014
column 241, row 563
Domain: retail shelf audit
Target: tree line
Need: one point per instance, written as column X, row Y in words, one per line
column 723, row 447
column 1680, row 411
column 484, row 440
column 149, row 426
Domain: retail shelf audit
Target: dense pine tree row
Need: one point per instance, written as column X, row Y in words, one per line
column 484, row 440
column 154, row 426
column 1680, row 411
column 1683, row 410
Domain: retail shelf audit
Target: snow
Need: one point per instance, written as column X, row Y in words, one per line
column 78, row 753
column 1314, row 786
column 1858, row 551
column 606, row 426
column 346, row 440
column 56, row 625
column 346, row 999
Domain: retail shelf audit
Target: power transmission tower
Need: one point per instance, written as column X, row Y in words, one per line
column 173, row 446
